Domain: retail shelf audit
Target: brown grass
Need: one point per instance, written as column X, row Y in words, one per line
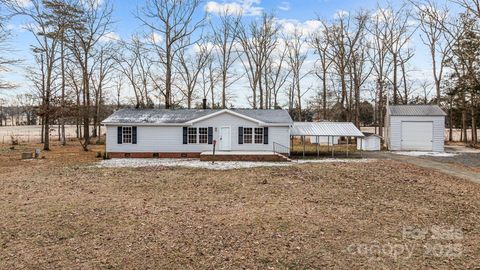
column 60, row 212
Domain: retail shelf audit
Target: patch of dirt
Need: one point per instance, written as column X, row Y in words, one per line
column 61, row 212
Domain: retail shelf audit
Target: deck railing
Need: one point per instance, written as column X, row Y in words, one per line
column 281, row 149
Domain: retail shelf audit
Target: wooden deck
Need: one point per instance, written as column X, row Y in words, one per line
column 242, row 156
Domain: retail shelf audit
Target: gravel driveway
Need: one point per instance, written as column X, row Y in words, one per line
column 461, row 165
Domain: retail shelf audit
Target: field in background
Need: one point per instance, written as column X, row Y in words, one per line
column 31, row 134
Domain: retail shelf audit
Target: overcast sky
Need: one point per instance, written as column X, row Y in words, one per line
column 297, row 12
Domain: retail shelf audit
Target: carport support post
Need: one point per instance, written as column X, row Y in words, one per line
column 347, row 146
column 328, row 144
column 318, row 146
column 333, row 149
column 303, row 141
column 361, row 146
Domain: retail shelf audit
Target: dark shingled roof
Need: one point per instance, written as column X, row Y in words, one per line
column 416, row 110
column 164, row 116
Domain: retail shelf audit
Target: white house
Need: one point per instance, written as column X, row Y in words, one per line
column 188, row 133
column 415, row 128
column 371, row 142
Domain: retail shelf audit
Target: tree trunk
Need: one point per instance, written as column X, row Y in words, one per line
column 86, row 98
column 324, row 82
column 63, row 141
column 474, row 126
column 450, row 121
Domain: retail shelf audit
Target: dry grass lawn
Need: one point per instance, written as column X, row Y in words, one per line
column 60, row 212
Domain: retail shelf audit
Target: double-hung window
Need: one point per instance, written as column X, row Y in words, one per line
column 192, row 135
column 126, row 134
column 258, row 135
column 202, row 135
column 247, row 135
column 196, row 135
column 253, row 135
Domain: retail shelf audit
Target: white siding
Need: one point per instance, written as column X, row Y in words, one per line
column 395, row 131
column 169, row 139
column 371, row 143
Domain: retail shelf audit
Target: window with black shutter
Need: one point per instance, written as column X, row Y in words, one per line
column 119, row 135
column 240, row 135
column 185, row 135
column 134, row 135
column 210, row 135
column 127, row 135
column 265, row 135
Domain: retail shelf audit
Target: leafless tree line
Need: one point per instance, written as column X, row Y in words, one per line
column 352, row 64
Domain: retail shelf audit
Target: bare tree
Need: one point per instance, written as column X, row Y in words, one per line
column 258, row 41
column 277, row 74
column 190, row 65
column 225, row 36
column 47, row 41
column 5, row 62
column 321, row 44
column 379, row 55
column 96, row 22
column 174, row 21
column 432, row 20
column 472, row 6
column 400, row 32
column 102, row 68
column 133, row 61
column 359, row 64
column 345, row 36
column 297, row 54
column 65, row 17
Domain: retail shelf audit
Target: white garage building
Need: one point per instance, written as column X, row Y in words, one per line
column 415, row 128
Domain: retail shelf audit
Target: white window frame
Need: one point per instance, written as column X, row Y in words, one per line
column 203, row 134
column 197, row 135
column 125, row 135
column 258, row 134
column 190, row 136
column 253, row 135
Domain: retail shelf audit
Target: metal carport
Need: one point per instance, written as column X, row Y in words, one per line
column 325, row 129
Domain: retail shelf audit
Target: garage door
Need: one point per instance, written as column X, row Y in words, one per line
column 417, row 136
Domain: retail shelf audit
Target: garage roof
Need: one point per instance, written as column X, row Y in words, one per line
column 416, row 110
column 323, row 129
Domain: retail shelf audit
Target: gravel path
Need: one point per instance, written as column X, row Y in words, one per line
column 465, row 166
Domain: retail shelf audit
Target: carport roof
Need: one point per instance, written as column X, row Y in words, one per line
column 340, row 129
column 416, row 110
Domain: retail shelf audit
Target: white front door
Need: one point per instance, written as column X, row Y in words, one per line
column 417, row 136
column 225, row 139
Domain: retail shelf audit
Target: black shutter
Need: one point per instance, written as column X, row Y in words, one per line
column 119, row 135
column 265, row 135
column 240, row 135
column 134, row 135
column 210, row 135
column 185, row 135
